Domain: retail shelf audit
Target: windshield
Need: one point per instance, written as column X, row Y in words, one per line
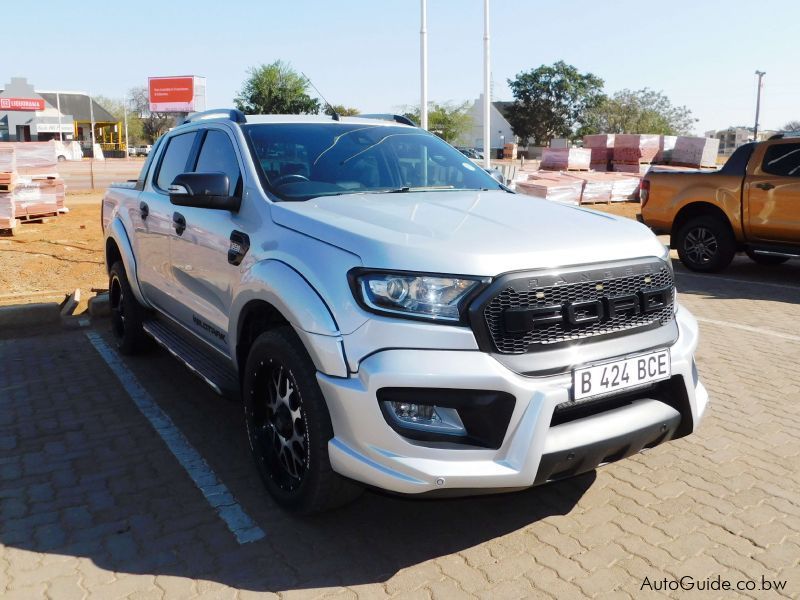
column 299, row 161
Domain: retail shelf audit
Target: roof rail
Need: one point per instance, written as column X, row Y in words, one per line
column 389, row 117
column 231, row 114
column 785, row 134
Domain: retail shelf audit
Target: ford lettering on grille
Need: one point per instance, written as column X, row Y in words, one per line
column 530, row 313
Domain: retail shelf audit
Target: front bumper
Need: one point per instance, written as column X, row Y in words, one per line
column 367, row 449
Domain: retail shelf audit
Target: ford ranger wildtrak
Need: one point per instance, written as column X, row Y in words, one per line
column 390, row 314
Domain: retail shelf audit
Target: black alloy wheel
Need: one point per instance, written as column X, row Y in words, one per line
column 289, row 426
column 279, row 425
column 126, row 312
column 705, row 244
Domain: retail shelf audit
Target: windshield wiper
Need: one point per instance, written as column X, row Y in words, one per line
column 421, row 188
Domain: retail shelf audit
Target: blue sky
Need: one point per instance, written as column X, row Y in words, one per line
column 365, row 53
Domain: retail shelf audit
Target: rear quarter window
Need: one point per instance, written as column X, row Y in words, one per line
column 782, row 160
column 176, row 155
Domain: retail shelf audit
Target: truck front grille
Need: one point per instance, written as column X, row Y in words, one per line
column 530, row 312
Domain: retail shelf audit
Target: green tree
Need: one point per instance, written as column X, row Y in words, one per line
column 639, row 111
column 117, row 108
column 552, row 101
column 342, row 110
column 447, row 120
column 276, row 89
column 154, row 124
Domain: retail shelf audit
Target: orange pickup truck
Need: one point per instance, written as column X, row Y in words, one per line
column 752, row 203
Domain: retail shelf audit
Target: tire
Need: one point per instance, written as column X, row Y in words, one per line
column 765, row 259
column 288, row 426
column 705, row 244
column 126, row 312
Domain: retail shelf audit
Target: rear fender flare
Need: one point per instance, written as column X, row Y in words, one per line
column 116, row 231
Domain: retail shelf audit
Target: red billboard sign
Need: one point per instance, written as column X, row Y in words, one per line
column 171, row 94
column 31, row 104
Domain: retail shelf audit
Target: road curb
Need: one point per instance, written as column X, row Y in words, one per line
column 27, row 315
column 99, row 306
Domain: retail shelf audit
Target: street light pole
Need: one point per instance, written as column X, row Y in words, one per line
column 423, row 57
column 758, row 104
column 487, row 143
column 125, row 113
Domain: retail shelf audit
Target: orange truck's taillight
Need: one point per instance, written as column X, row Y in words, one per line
column 644, row 192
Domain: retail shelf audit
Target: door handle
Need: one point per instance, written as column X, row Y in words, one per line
column 144, row 210
column 179, row 222
column 765, row 186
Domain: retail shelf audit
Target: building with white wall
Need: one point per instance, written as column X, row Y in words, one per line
column 501, row 132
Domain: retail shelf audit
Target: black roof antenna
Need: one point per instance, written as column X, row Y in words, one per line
column 334, row 114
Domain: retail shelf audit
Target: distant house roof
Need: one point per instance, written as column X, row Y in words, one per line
column 77, row 105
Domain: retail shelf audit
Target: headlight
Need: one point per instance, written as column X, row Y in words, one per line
column 413, row 295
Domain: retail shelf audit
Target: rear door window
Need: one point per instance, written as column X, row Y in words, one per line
column 782, row 160
column 176, row 157
column 218, row 156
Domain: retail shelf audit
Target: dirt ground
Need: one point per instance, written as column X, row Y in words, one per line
column 45, row 261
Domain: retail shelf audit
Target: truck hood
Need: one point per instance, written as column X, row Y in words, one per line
column 482, row 233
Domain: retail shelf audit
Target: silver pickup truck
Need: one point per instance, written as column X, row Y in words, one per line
column 393, row 316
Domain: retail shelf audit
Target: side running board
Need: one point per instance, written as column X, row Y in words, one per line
column 210, row 367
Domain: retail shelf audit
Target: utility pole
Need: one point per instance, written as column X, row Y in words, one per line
column 125, row 113
column 758, row 104
column 423, row 67
column 58, row 108
column 487, row 82
column 91, row 163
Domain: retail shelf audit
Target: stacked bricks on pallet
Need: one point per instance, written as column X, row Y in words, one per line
column 633, row 153
column 552, row 186
column 566, row 159
column 8, row 170
column 602, row 149
column 38, row 197
column 625, row 188
column 36, row 190
column 597, row 186
column 632, row 168
column 695, row 152
column 665, row 147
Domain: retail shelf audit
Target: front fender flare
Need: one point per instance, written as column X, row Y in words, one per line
column 279, row 285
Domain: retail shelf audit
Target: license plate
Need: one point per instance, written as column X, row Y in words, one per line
column 621, row 374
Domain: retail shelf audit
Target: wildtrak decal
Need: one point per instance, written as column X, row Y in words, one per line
column 209, row 328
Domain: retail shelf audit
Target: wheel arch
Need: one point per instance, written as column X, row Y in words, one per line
column 118, row 247
column 698, row 209
column 273, row 294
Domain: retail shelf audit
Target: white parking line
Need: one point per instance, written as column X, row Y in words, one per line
column 216, row 493
column 761, row 330
column 732, row 280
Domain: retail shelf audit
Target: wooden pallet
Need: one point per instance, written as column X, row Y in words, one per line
column 36, row 217
column 7, row 226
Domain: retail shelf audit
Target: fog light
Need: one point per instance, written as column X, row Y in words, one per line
column 435, row 419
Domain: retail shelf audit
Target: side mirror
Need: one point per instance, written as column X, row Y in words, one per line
column 497, row 175
column 203, row 190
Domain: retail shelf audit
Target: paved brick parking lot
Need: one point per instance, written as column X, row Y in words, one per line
column 93, row 504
